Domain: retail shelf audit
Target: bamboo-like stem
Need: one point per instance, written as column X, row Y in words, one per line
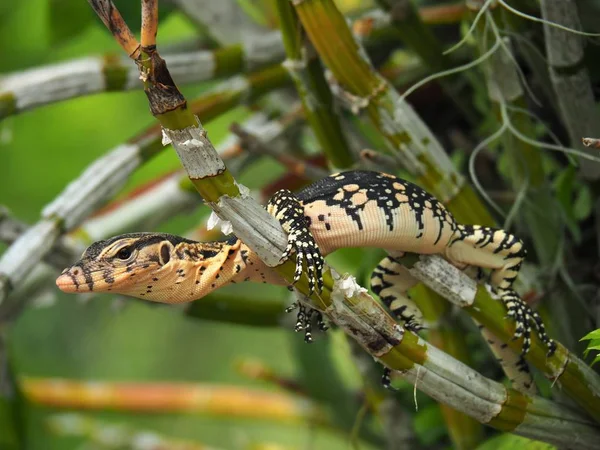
column 317, row 100
column 116, row 436
column 108, row 174
column 213, row 399
column 570, row 78
column 29, row 89
column 465, row 433
column 11, row 228
column 576, row 379
column 224, row 20
column 454, row 383
column 149, row 23
column 205, row 169
column 295, row 165
column 352, row 309
column 403, row 130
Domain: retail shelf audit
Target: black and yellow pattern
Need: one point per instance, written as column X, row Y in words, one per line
column 350, row 209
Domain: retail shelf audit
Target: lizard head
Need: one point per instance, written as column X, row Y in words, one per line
column 149, row 266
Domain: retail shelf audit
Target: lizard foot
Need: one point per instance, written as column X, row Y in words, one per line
column 524, row 316
column 304, row 320
column 413, row 325
column 386, row 380
column 320, row 322
column 286, row 208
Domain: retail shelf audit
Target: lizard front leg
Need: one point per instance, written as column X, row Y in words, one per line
column 286, row 208
column 503, row 253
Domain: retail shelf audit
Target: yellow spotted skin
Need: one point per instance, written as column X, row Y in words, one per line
column 350, row 209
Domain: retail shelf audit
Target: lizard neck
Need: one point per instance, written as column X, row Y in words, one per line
column 249, row 267
column 200, row 268
column 195, row 270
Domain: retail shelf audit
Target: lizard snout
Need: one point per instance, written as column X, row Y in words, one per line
column 72, row 279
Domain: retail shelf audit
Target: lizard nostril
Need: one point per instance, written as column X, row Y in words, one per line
column 76, row 272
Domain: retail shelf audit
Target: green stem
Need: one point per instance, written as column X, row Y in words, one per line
column 313, row 89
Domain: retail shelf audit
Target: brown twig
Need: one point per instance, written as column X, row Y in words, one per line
column 111, row 17
column 591, row 142
column 159, row 86
column 149, row 24
column 379, row 159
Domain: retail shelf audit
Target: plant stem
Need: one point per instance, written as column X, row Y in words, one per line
column 307, row 73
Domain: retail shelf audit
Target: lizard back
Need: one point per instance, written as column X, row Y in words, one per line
column 371, row 209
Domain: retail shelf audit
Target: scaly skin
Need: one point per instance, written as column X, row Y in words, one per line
column 351, row 209
column 163, row 268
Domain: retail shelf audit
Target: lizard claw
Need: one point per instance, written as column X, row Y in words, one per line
column 524, row 316
column 386, row 380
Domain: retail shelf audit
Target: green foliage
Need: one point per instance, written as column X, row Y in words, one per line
column 510, row 442
column 593, row 345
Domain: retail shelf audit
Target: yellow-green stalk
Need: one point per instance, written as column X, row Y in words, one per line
column 317, row 100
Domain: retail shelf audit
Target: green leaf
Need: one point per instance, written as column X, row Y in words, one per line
column 591, row 335
column 67, row 19
column 594, row 347
column 584, row 203
column 594, row 344
column 510, row 441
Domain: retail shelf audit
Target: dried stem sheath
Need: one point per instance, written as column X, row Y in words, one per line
column 29, row 89
column 577, row 379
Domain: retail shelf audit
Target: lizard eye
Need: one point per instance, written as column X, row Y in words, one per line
column 124, row 253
